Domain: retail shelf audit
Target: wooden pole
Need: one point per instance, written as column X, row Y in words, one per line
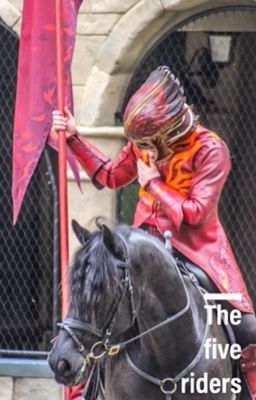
column 62, row 167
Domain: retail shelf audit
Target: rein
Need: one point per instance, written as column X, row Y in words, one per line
column 122, row 345
column 168, row 385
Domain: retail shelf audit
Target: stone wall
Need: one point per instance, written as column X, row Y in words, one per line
column 112, row 37
column 89, row 203
column 29, row 388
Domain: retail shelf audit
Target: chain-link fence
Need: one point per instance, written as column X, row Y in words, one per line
column 223, row 94
column 27, row 308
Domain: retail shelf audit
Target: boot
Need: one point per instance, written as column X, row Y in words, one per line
column 248, row 367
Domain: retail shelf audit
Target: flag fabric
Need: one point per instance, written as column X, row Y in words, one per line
column 36, row 93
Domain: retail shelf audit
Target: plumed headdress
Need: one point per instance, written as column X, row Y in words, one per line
column 157, row 114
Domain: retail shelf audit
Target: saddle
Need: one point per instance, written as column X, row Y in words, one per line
column 188, row 268
column 200, row 278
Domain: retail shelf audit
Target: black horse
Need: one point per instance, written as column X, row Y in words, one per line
column 132, row 311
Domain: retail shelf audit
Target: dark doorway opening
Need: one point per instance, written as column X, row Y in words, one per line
column 223, row 94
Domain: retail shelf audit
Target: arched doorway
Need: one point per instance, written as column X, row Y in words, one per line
column 223, row 93
column 27, row 250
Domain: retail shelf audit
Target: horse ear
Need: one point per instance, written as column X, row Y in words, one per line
column 81, row 233
column 113, row 243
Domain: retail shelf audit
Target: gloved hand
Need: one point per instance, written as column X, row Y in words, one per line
column 147, row 172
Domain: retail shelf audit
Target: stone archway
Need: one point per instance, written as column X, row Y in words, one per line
column 130, row 39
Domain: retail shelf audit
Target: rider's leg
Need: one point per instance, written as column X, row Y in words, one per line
column 245, row 334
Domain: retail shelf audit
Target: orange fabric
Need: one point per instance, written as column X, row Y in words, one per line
column 177, row 177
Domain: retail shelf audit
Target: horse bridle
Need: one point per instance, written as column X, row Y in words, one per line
column 103, row 347
column 104, row 334
column 69, row 325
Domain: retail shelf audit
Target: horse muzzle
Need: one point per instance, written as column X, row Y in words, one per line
column 68, row 370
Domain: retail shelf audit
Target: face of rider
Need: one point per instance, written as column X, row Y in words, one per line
column 151, row 150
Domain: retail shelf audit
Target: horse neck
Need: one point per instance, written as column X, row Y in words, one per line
column 164, row 292
column 164, row 295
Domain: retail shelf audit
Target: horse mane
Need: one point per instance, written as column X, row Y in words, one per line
column 94, row 274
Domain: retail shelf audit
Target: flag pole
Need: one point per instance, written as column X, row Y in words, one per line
column 62, row 166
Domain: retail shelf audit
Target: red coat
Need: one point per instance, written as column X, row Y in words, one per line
column 184, row 200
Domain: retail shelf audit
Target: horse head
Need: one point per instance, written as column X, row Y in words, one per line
column 101, row 303
column 127, row 293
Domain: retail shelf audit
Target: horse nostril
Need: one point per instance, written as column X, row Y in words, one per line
column 63, row 367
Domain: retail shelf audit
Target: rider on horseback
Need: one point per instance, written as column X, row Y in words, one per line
column 181, row 167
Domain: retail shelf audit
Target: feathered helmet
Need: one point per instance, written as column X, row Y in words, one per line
column 157, row 115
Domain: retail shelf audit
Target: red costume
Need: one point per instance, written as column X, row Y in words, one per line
column 184, row 200
column 193, row 163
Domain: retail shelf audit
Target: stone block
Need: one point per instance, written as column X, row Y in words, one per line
column 43, row 389
column 180, row 4
column 121, row 42
column 101, row 98
column 9, row 13
column 86, row 206
column 6, row 388
column 86, row 50
column 96, row 24
column 183, row 5
column 99, row 6
column 78, row 91
column 17, row 4
column 17, row 27
column 90, row 203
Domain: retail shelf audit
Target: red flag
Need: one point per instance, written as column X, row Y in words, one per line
column 36, row 87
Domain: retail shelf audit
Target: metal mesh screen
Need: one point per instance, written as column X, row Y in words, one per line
column 224, row 96
column 26, row 252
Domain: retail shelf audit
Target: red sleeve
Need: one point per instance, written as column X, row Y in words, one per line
column 103, row 171
column 211, row 169
column 77, row 391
